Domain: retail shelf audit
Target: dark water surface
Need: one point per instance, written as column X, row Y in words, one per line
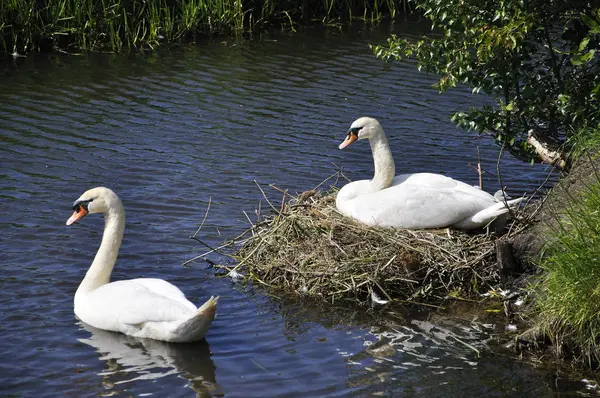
column 168, row 131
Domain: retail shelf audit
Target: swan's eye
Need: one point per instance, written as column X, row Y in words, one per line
column 354, row 131
column 77, row 206
column 82, row 203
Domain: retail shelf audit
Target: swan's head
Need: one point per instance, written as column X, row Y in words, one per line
column 363, row 128
column 95, row 200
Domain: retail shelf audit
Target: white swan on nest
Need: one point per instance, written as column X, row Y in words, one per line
column 145, row 307
column 414, row 201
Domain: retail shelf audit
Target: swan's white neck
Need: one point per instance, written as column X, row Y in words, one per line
column 104, row 262
column 385, row 169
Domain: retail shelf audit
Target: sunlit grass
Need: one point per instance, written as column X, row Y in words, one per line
column 117, row 25
column 585, row 142
column 568, row 292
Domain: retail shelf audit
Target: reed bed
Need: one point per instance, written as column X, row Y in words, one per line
column 114, row 25
column 118, row 25
column 306, row 246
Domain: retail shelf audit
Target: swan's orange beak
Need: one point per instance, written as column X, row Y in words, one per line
column 78, row 214
column 350, row 138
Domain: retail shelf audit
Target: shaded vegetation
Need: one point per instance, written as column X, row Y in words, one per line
column 116, row 25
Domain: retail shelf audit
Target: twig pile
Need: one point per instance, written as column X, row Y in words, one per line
column 308, row 247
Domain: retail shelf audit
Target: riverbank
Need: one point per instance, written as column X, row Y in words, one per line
column 114, row 25
column 561, row 251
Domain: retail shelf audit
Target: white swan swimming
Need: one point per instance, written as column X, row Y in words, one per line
column 145, row 307
column 414, row 201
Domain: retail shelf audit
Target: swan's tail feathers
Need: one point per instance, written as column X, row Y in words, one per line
column 515, row 202
column 209, row 308
column 500, row 196
column 509, row 204
column 195, row 327
column 489, row 214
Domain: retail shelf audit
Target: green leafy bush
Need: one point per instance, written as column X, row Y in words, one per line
column 538, row 59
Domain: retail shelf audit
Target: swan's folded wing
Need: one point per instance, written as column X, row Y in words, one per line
column 422, row 206
column 436, row 208
column 438, row 182
column 132, row 303
column 164, row 288
column 426, row 180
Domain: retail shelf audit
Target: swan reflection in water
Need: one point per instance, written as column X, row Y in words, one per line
column 130, row 359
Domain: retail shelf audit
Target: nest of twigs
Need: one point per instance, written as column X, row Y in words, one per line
column 307, row 246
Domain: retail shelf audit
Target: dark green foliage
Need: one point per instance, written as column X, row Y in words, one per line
column 538, row 59
column 115, row 25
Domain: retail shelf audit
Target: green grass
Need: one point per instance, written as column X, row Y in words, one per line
column 568, row 292
column 585, row 142
column 118, row 25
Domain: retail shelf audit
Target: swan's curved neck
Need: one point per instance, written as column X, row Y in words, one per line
column 104, row 262
column 385, row 169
